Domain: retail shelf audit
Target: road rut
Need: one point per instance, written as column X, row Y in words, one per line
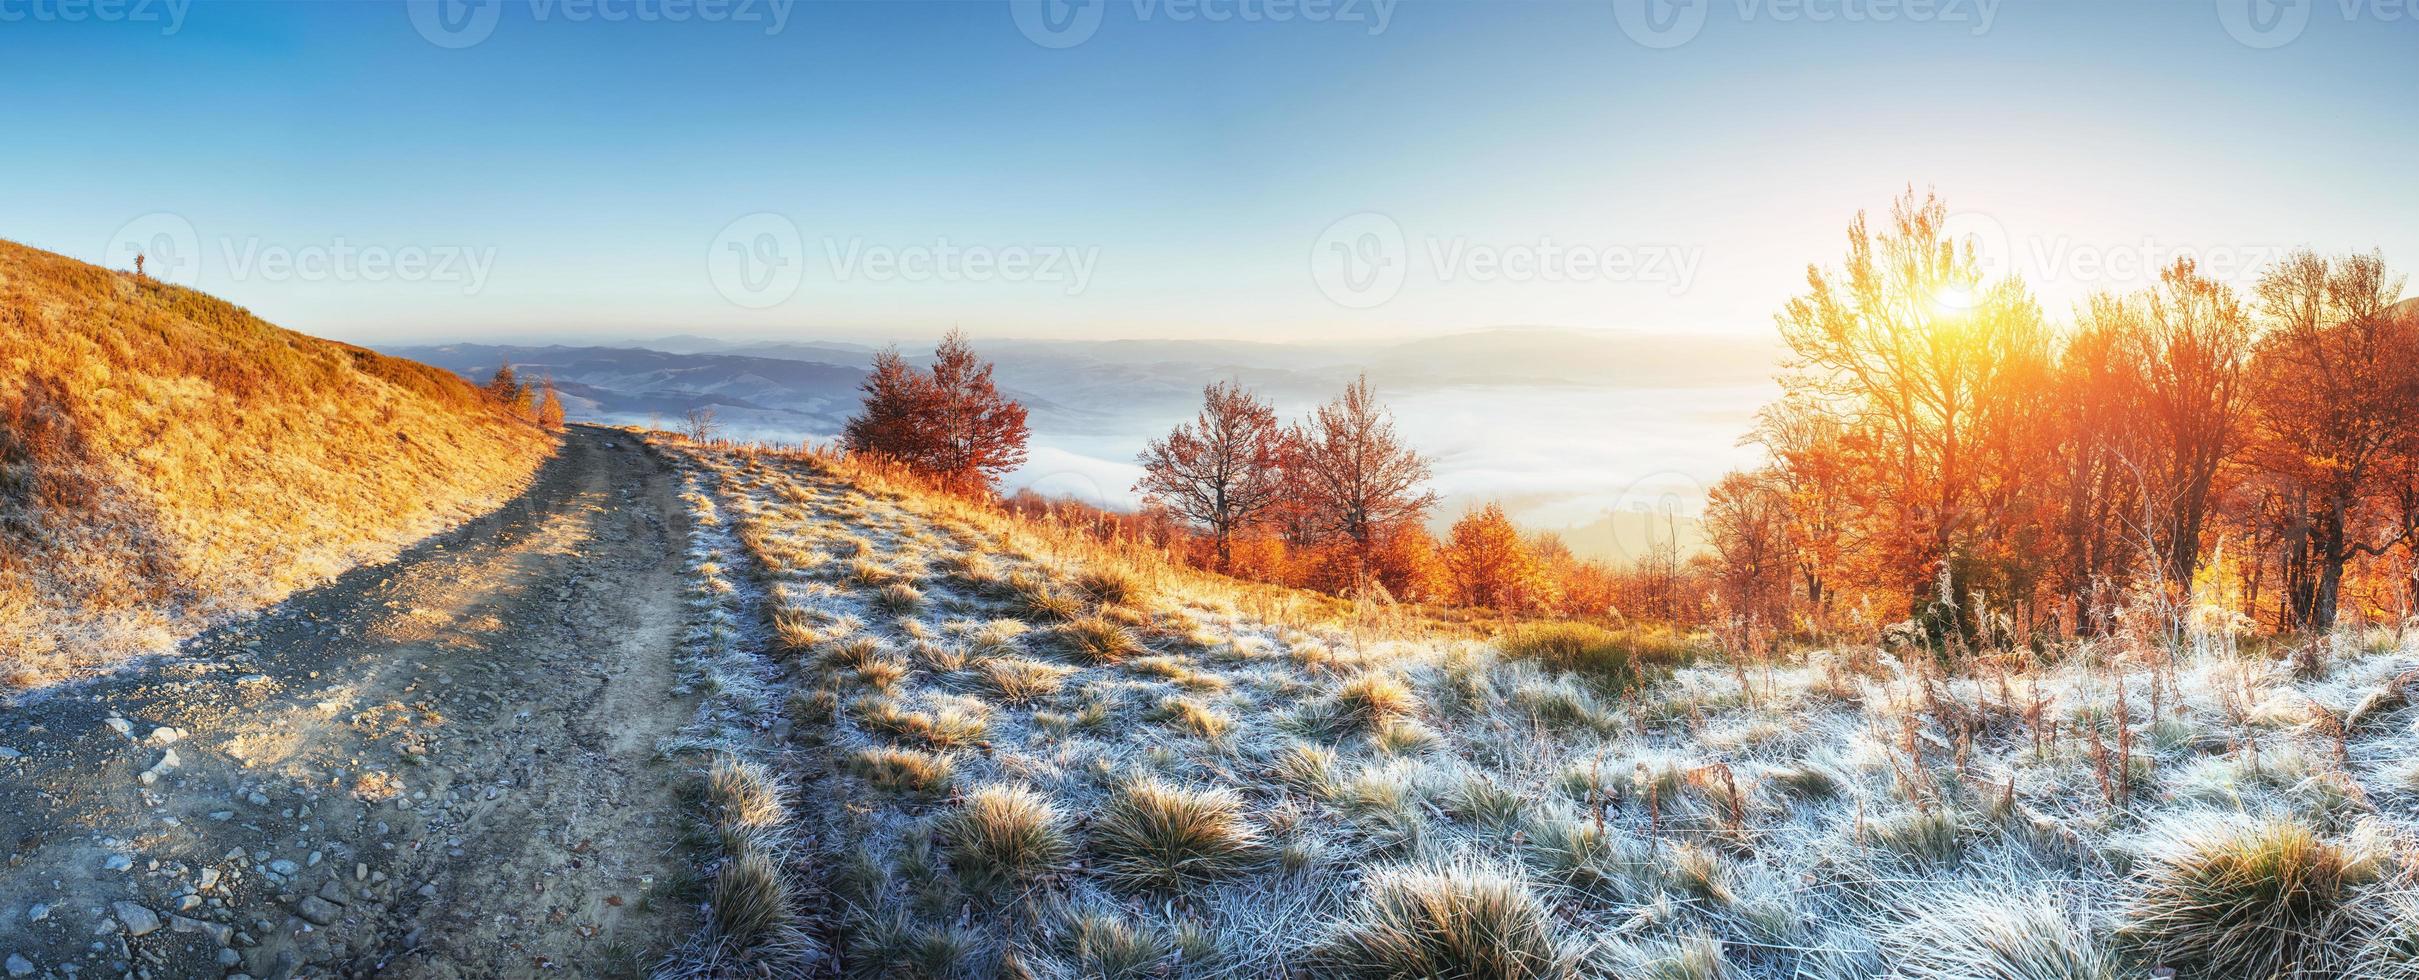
column 444, row 766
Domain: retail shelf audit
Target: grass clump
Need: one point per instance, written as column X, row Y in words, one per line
column 898, row 598
column 748, row 795
column 905, row 770
column 1018, row 680
column 1371, row 701
column 1109, row 586
column 1449, row 922
column 1101, row 640
column 1967, row 934
column 1005, row 835
column 1160, row 837
column 2262, row 901
column 1618, row 659
column 1196, row 718
column 1038, row 601
column 751, row 901
column 1111, row 948
column 1306, row 766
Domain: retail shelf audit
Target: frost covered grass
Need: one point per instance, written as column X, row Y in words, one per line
column 1060, row 760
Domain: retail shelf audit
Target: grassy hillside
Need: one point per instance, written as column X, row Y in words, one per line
column 167, row 458
column 950, row 744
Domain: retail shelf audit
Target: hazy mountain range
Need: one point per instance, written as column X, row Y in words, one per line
column 1574, row 430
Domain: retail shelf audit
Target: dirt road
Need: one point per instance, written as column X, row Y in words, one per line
column 442, row 767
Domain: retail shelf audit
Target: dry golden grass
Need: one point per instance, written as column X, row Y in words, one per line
column 168, row 459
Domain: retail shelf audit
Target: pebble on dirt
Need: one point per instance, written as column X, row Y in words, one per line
column 139, row 921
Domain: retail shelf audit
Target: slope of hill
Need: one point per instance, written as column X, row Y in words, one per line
column 955, row 744
column 167, row 459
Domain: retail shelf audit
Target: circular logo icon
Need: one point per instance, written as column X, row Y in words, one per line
column 168, row 248
column 455, row 23
column 2264, row 24
column 1058, row 23
column 1987, row 240
column 1359, row 262
column 1661, row 24
column 758, row 261
column 1654, row 513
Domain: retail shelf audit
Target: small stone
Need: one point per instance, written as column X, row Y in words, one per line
column 317, row 909
column 361, row 872
column 139, row 921
column 165, row 735
column 428, row 890
column 229, row 957
column 120, row 726
column 222, row 816
column 188, row 902
column 257, row 799
column 207, row 880
column 19, row 966
column 312, row 861
column 283, row 867
column 9, row 753
column 118, row 862
column 218, row 932
column 38, row 913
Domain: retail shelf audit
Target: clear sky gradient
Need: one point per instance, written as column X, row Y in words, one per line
column 345, row 172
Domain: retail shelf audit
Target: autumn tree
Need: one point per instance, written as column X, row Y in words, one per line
column 1812, row 471
column 1922, row 356
column 2191, row 352
column 1747, row 530
column 700, row 424
column 1360, row 480
column 891, row 422
column 2335, row 395
column 550, row 406
column 949, row 422
column 1221, row 471
column 1487, row 563
column 507, row 387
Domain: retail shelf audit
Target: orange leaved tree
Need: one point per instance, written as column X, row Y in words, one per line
column 949, row 423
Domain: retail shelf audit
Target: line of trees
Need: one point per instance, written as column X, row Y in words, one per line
column 538, row 403
column 1943, row 453
column 1337, row 501
column 1333, row 501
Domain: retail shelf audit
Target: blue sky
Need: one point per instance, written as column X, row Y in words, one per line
column 1169, row 175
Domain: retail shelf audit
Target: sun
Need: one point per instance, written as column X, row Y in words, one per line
column 1953, row 299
